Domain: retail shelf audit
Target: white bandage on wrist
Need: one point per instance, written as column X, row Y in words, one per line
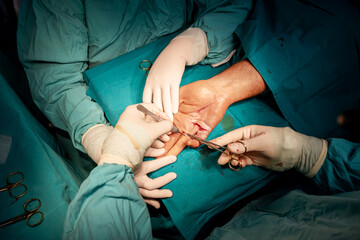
column 199, row 44
column 93, row 140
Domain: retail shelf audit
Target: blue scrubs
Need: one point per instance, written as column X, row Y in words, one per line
column 108, row 205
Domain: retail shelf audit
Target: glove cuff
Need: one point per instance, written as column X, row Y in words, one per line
column 93, row 140
column 198, row 45
column 110, row 158
column 319, row 162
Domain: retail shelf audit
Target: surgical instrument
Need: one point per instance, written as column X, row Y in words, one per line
column 27, row 215
column 222, row 149
column 11, row 185
column 144, row 110
column 146, row 69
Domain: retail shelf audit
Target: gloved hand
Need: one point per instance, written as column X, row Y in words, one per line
column 149, row 188
column 95, row 136
column 162, row 83
column 275, row 148
column 93, row 140
column 132, row 136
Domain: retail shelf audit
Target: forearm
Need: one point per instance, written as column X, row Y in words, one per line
column 340, row 171
column 54, row 66
column 238, row 82
column 109, row 200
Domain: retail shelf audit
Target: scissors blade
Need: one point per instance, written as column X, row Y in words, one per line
column 207, row 143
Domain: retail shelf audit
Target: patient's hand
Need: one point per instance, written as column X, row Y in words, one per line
column 202, row 104
column 201, row 108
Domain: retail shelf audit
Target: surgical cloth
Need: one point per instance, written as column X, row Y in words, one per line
column 47, row 176
column 119, row 83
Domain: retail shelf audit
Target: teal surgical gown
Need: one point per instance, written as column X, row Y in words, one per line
column 307, row 53
column 297, row 215
column 109, row 206
column 59, row 40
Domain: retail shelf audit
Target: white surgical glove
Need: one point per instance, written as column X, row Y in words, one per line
column 93, row 140
column 132, row 136
column 275, row 148
column 95, row 136
column 149, row 188
column 162, row 83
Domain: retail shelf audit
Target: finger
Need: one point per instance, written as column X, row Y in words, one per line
column 178, row 146
column 156, row 110
column 240, row 134
column 158, row 144
column 153, row 203
column 223, row 159
column 170, row 144
column 193, row 143
column 157, row 193
column 164, row 138
column 160, row 128
column 157, row 100
column 237, row 147
column 156, row 164
column 147, row 95
column 166, row 101
column 160, row 181
column 154, row 152
column 246, row 160
column 175, row 98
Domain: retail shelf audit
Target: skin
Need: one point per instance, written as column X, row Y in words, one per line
column 202, row 104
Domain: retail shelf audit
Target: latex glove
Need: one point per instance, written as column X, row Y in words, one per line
column 162, row 83
column 149, row 188
column 275, row 148
column 95, row 136
column 132, row 136
column 93, row 140
column 201, row 108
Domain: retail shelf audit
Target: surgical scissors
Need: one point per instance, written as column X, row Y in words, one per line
column 222, row 149
column 27, row 215
column 146, row 69
column 13, row 185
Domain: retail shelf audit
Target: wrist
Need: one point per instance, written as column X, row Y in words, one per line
column 113, row 159
column 93, row 140
column 239, row 82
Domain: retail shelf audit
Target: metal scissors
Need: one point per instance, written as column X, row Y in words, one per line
column 27, row 215
column 222, row 149
column 145, row 65
column 11, row 185
column 211, row 145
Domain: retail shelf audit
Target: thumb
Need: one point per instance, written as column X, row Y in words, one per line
column 159, row 128
column 254, row 144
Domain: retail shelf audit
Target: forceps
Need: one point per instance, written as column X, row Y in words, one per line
column 211, row 145
column 147, row 67
column 13, row 185
column 27, row 215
